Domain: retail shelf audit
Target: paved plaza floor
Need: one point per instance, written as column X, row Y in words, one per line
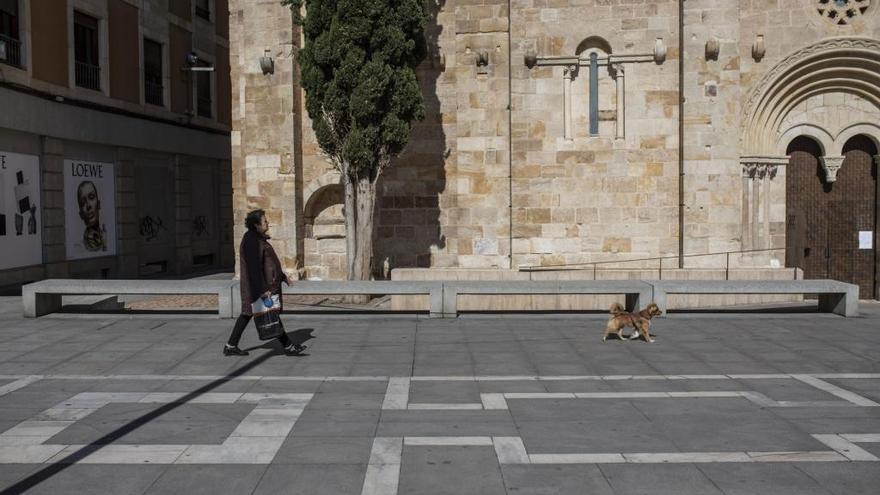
column 491, row 404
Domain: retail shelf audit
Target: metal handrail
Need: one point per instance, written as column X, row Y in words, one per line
column 594, row 265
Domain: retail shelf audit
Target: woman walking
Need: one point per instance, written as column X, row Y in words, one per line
column 261, row 276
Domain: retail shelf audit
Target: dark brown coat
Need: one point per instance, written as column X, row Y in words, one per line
column 259, row 269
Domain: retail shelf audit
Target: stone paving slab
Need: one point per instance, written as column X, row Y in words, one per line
column 624, row 416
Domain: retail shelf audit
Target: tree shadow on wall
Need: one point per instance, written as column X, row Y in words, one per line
column 408, row 192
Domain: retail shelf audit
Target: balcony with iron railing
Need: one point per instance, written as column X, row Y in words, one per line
column 88, row 76
column 154, row 92
column 10, row 51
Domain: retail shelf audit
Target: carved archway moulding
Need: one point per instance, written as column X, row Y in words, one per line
column 848, row 65
column 329, row 178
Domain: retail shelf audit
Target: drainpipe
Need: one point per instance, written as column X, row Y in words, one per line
column 509, row 136
column 680, row 133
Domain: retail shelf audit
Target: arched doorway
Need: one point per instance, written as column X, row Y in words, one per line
column 830, row 226
column 324, row 242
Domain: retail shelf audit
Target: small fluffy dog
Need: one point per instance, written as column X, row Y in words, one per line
column 641, row 322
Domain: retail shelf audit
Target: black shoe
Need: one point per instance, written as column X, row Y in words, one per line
column 233, row 351
column 294, row 349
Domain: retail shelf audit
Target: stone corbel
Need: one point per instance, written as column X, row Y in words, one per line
column 831, row 165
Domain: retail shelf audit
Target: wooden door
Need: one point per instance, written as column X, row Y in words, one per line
column 824, row 221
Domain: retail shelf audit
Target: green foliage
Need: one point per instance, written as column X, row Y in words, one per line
column 358, row 72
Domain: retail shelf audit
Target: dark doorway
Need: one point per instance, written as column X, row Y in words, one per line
column 825, row 221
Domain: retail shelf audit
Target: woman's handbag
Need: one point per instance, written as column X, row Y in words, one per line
column 267, row 317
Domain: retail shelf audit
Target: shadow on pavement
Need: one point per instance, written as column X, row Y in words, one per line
column 298, row 337
column 55, row 468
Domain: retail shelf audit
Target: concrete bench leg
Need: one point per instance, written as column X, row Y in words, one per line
column 638, row 301
column 37, row 304
column 435, row 298
column 235, row 297
column 660, row 300
column 632, row 303
column 224, row 302
column 450, row 302
column 843, row 304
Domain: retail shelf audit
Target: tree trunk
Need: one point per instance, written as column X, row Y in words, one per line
column 366, row 199
column 350, row 215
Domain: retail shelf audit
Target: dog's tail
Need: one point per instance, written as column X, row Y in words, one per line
column 617, row 309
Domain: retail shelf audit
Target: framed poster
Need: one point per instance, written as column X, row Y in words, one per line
column 21, row 232
column 89, row 209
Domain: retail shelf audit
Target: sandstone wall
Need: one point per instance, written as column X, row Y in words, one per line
column 489, row 179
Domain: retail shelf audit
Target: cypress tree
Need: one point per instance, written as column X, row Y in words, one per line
column 358, row 70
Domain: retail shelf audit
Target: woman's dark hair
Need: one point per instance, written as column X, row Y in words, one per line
column 254, row 218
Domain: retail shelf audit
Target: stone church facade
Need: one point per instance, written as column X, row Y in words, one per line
column 564, row 132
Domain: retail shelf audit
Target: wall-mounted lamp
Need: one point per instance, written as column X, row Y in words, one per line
column 659, row 51
column 712, row 48
column 758, row 49
column 267, row 64
column 190, row 61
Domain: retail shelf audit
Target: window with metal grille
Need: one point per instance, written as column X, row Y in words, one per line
column 153, row 81
column 87, row 65
column 203, row 9
column 10, row 42
column 203, row 92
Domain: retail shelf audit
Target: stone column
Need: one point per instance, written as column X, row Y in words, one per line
column 757, row 175
column 620, row 83
column 831, row 165
column 568, row 73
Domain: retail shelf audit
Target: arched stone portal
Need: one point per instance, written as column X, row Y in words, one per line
column 810, row 124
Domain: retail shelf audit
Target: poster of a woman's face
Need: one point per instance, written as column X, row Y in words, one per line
column 90, row 210
column 90, row 213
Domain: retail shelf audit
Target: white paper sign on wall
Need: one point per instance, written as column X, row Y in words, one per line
column 21, row 229
column 89, row 209
column 866, row 239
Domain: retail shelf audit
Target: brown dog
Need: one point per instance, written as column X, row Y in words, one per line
column 641, row 322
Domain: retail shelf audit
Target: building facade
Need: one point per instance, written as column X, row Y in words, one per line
column 577, row 131
column 115, row 146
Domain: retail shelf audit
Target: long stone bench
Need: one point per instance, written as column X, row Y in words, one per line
column 44, row 297
column 638, row 294
column 834, row 297
column 434, row 290
column 41, row 298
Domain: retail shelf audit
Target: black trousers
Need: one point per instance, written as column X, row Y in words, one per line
column 241, row 323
